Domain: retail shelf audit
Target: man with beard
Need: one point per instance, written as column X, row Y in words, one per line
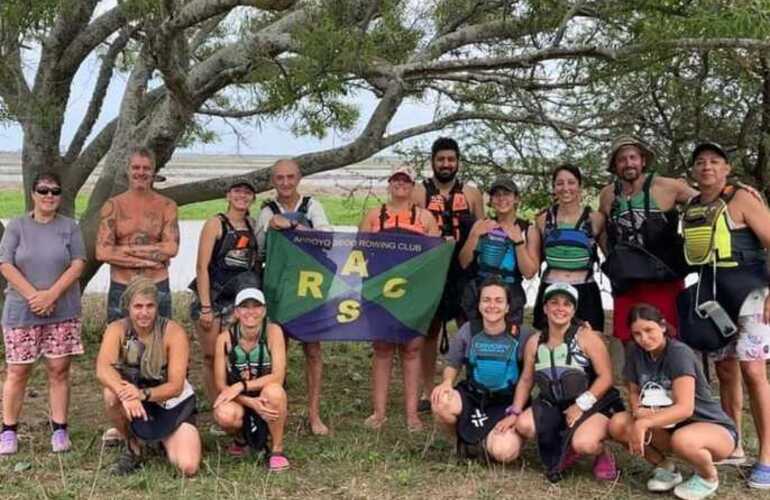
column 643, row 248
column 456, row 206
column 138, row 235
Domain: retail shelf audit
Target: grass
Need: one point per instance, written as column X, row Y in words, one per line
column 352, row 463
column 341, row 210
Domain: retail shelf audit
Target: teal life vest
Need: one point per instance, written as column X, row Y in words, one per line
column 567, row 247
column 242, row 365
column 564, row 372
column 496, row 255
column 493, row 361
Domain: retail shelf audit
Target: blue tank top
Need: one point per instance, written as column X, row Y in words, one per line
column 493, row 361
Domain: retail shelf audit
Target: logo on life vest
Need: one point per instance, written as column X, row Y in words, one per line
column 478, row 418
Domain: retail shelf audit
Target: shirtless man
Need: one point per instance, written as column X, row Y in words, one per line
column 291, row 210
column 656, row 229
column 455, row 221
column 138, row 234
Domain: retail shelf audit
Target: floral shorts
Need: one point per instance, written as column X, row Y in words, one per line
column 27, row 344
column 753, row 342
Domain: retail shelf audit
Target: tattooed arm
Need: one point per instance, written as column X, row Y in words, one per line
column 106, row 248
column 168, row 246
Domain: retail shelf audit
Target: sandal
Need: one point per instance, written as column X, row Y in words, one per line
column 277, row 462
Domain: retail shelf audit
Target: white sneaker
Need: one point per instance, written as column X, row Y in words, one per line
column 696, row 488
column 663, row 480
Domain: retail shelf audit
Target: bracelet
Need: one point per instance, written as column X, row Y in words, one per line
column 518, row 243
column 245, row 387
column 205, row 308
column 512, row 410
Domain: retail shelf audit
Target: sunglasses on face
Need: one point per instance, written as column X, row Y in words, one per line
column 43, row 191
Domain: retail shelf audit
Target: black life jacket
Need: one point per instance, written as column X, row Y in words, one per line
column 234, row 252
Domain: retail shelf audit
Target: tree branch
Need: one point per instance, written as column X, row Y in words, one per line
column 97, row 98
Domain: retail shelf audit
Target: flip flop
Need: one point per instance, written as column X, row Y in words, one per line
column 277, row 462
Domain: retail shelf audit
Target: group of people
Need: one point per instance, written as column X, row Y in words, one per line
column 142, row 364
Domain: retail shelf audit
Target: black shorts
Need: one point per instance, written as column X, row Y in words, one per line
column 589, row 308
column 479, row 413
column 161, row 422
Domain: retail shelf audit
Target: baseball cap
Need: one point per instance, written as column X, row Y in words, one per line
column 402, row 170
column 561, row 288
column 628, row 140
column 241, row 181
column 708, row 146
column 249, row 293
column 504, row 183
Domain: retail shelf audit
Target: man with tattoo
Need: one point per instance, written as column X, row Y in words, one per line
column 138, row 235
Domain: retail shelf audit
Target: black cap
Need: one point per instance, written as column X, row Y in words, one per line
column 708, row 146
column 241, row 181
column 504, row 183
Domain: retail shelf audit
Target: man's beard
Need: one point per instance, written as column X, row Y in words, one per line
column 444, row 176
column 630, row 174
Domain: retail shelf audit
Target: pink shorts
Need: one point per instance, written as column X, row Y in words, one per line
column 27, row 344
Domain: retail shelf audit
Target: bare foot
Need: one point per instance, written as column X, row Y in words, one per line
column 318, row 428
column 414, row 424
column 375, row 422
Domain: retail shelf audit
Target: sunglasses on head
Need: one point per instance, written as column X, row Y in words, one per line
column 43, row 191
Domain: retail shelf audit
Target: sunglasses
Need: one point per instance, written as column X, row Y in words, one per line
column 43, row 191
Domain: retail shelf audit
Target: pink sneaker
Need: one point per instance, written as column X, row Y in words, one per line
column 604, row 467
column 570, row 459
column 277, row 462
column 238, row 450
column 9, row 443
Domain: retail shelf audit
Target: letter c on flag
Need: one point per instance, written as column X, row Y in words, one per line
column 394, row 288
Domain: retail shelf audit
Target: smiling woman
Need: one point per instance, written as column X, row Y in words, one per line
column 41, row 256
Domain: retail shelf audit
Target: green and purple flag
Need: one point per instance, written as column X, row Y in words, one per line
column 323, row 285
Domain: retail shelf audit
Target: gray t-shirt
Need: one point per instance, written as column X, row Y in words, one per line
column 678, row 360
column 41, row 252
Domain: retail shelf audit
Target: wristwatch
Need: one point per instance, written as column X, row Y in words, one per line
column 146, row 393
column 586, row 401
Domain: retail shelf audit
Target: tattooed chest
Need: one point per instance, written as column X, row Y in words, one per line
column 141, row 229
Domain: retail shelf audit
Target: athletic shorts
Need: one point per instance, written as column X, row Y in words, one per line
column 26, row 344
column 661, row 294
column 589, row 306
column 115, row 311
column 753, row 342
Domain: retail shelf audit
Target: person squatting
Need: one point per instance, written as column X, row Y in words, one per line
column 550, row 382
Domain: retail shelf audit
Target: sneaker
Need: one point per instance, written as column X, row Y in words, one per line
column 663, row 480
column 127, row 463
column 238, row 450
column 112, row 437
column 9, row 443
column 604, row 467
column 277, row 462
column 760, row 476
column 60, row 441
column 696, row 488
column 216, row 430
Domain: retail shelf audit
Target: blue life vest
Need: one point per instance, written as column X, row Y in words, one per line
column 496, row 255
column 493, row 362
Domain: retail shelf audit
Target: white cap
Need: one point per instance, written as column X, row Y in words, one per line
column 249, row 293
column 561, row 288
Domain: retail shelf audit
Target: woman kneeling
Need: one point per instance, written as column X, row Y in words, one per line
column 571, row 367
column 474, row 408
column 142, row 366
column 249, row 368
column 671, row 409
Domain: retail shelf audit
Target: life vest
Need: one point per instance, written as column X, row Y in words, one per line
column 569, row 248
column 496, row 255
column 564, row 372
column 493, row 361
column 453, row 213
column 709, row 238
column 242, row 365
column 234, row 252
column 638, row 222
column 299, row 216
column 405, row 221
column 132, row 350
